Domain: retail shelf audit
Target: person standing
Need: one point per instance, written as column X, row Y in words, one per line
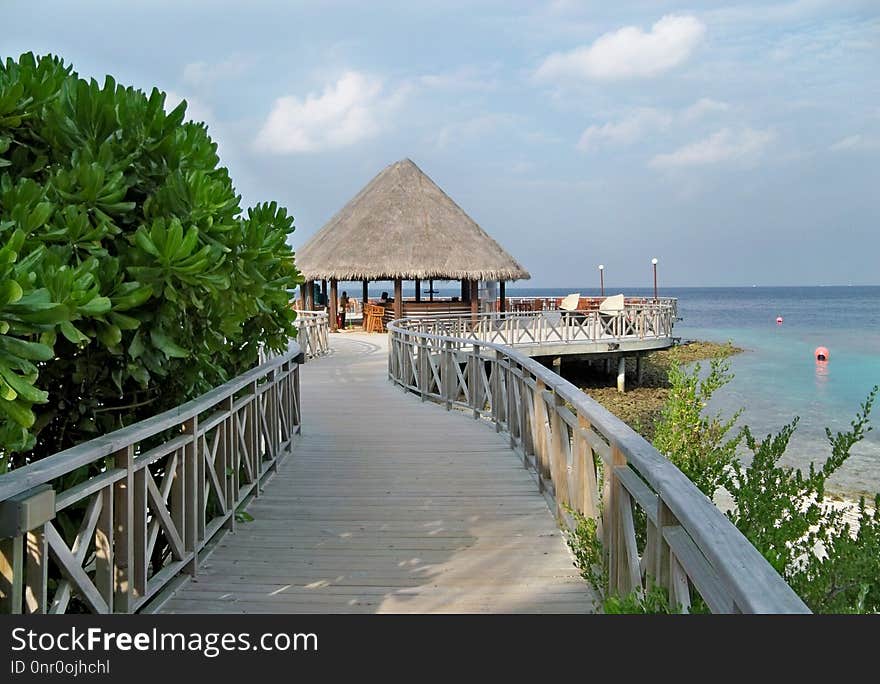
column 343, row 307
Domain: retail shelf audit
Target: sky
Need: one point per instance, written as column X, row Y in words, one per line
column 738, row 143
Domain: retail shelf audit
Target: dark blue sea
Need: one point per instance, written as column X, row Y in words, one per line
column 777, row 378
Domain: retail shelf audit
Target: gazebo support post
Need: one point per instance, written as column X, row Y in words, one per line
column 418, row 289
column 324, row 292
column 365, row 299
column 332, row 311
column 475, row 299
column 398, row 298
column 309, row 304
column 302, row 296
column 465, row 290
column 502, row 294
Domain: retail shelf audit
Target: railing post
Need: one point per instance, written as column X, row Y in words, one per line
column 139, row 533
column 229, row 472
column 540, row 433
column 612, row 536
column 104, row 569
column 11, row 574
column 560, row 447
column 191, row 486
column 665, row 518
column 584, row 472
column 496, row 391
column 391, row 352
column 423, row 367
column 527, row 439
column 510, row 408
column 447, row 374
column 123, row 539
column 36, row 571
column 252, row 435
column 476, row 380
column 296, row 416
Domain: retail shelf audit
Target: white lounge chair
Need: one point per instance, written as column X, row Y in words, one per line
column 610, row 311
column 570, row 303
column 612, row 306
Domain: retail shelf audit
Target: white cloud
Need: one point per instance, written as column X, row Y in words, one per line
column 201, row 74
column 629, row 52
column 348, row 111
column 856, row 142
column 640, row 123
column 725, row 145
column 626, row 131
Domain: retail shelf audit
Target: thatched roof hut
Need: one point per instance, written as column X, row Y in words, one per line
column 403, row 226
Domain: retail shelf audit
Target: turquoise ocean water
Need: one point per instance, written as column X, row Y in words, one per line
column 777, row 377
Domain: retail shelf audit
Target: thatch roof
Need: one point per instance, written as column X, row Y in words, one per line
column 402, row 225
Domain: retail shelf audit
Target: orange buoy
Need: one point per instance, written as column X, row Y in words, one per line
column 821, row 354
column 779, row 320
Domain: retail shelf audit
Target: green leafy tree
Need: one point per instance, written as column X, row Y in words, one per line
column 130, row 278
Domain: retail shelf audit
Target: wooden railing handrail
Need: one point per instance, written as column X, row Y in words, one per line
column 156, row 493
column 47, row 469
column 530, row 402
column 314, row 331
column 648, row 323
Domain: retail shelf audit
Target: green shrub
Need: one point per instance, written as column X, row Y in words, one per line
column 130, row 280
column 584, row 542
column 696, row 443
column 785, row 514
column 651, row 602
column 590, row 560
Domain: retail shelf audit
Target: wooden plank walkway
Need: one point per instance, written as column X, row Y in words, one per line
column 389, row 505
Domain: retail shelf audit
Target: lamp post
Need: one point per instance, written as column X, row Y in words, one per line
column 602, row 279
column 654, row 263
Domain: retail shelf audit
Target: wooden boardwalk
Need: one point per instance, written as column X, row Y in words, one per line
column 389, row 505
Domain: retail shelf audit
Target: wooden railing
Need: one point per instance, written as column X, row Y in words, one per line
column 637, row 322
column 656, row 527
column 118, row 517
column 313, row 332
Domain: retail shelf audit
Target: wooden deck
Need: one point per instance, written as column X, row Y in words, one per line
column 389, row 505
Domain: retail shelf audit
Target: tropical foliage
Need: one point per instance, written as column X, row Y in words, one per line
column 696, row 442
column 830, row 558
column 130, row 278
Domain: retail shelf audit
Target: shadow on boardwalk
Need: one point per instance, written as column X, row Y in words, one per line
column 389, row 505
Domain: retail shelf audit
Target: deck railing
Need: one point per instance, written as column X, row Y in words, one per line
column 120, row 516
column 313, row 332
column 587, row 459
column 643, row 321
column 584, row 303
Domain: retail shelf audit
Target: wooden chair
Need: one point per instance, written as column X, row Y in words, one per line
column 373, row 314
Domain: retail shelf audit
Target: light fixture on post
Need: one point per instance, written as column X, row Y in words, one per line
column 602, row 279
column 654, row 263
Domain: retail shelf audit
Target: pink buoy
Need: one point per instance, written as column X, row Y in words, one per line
column 779, row 320
column 822, row 354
